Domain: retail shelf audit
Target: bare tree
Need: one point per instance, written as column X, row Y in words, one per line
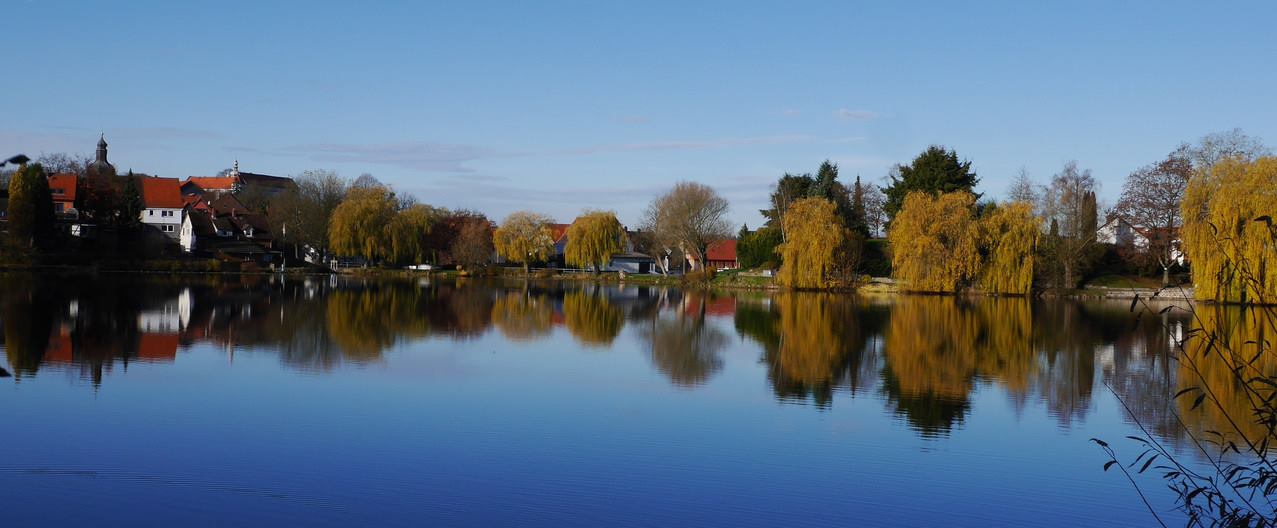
column 62, row 162
column 1023, row 189
column 365, row 181
column 1070, row 207
column 875, row 212
column 1151, row 200
column 473, row 245
column 1212, row 148
column 689, row 217
column 302, row 215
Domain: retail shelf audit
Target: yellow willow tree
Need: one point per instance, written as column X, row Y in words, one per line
column 1008, row 237
column 1229, row 234
column 933, row 242
column 813, row 233
column 361, row 223
column 524, row 237
column 592, row 239
column 408, row 231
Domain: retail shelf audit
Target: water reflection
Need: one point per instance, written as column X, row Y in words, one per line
column 925, row 358
column 680, row 342
column 591, row 317
column 814, row 344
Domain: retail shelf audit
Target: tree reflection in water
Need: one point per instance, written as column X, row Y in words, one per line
column 923, row 357
column 591, row 317
column 813, row 343
column 522, row 316
column 680, row 344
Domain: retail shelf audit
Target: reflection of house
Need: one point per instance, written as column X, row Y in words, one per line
column 167, row 317
column 157, row 347
column 722, row 255
column 61, row 347
column 162, row 204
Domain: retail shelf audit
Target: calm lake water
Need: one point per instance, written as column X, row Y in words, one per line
column 340, row 402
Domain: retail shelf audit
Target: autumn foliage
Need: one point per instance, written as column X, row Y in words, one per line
column 524, row 237
column 592, row 239
column 1228, row 231
column 933, row 242
column 1008, row 237
column 813, row 232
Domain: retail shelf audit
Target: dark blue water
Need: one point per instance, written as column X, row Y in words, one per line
column 328, row 402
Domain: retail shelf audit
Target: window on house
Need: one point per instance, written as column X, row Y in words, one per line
column 150, row 213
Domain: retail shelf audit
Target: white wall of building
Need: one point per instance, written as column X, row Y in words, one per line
column 168, row 221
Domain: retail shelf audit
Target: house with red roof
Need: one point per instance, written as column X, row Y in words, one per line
column 721, row 255
column 62, row 187
column 162, row 204
column 236, row 182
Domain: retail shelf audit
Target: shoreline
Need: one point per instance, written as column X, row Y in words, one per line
column 876, row 286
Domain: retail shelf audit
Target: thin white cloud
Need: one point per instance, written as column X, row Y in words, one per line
column 704, row 144
column 422, row 156
column 854, row 115
column 635, row 120
column 791, row 112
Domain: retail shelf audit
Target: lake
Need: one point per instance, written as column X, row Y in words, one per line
column 332, row 401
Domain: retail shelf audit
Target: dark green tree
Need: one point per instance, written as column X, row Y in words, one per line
column 826, row 181
column 758, row 248
column 858, row 222
column 936, row 170
column 790, row 187
column 131, row 207
column 30, row 207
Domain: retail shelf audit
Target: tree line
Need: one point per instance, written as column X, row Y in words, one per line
column 1205, row 200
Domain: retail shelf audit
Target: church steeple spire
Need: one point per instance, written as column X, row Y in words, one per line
column 101, row 167
column 102, row 148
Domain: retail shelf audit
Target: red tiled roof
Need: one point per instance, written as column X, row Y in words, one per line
column 64, row 182
column 213, row 183
column 227, row 204
column 160, row 192
column 722, row 251
column 558, row 231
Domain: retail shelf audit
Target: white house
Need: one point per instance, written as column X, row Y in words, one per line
column 1121, row 232
column 162, row 204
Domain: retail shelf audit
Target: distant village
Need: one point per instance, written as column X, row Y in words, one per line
column 225, row 217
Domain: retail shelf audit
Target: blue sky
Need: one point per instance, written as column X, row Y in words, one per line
column 559, row 106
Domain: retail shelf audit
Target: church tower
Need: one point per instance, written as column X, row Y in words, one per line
column 100, row 166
